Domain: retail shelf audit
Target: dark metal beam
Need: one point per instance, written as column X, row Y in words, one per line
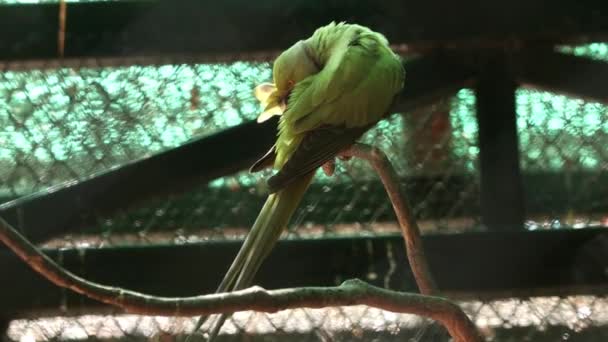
column 488, row 265
column 164, row 27
column 549, row 196
column 502, row 195
column 46, row 214
column 566, row 74
column 4, row 325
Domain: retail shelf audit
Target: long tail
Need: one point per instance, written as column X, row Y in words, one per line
column 264, row 234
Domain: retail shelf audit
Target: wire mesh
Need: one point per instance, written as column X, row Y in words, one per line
column 66, row 124
column 574, row 318
column 63, row 125
column 562, row 140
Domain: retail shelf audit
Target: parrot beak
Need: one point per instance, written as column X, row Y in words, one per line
column 272, row 101
column 262, row 92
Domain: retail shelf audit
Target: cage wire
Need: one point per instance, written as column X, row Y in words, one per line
column 575, row 318
column 64, row 124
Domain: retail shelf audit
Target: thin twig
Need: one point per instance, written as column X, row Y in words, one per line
column 62, row 28
column 407, row 222
column 352, row 292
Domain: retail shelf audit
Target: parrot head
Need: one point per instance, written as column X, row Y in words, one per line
column 292, row 66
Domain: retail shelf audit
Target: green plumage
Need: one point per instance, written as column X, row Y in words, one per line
column 329, row 89
column 360, row 77
column 266, row 230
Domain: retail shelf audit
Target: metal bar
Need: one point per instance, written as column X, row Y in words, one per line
column 50, row 212
column 502, row 195
column 488, row 265
column 4, row 325
column 566, row 74
column 164, row 27
column 551, row 198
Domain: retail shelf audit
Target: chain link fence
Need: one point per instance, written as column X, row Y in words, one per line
column 63, row 125
column 60, row 125
column 576, row 318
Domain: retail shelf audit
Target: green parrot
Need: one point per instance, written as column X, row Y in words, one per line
column 328, row 90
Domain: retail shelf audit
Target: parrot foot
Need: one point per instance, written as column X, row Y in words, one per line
column 329, row 168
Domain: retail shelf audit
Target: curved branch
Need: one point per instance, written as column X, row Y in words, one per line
column 351, row 292
column 407, row 222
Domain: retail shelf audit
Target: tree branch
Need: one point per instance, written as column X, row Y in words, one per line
column 407, row 222
column 352, row 292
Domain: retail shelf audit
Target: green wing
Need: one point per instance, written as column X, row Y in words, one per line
column 316, row 148
column 354, row 89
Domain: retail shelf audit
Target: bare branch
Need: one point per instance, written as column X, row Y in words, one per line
column 352, row 292
column 407, row 222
